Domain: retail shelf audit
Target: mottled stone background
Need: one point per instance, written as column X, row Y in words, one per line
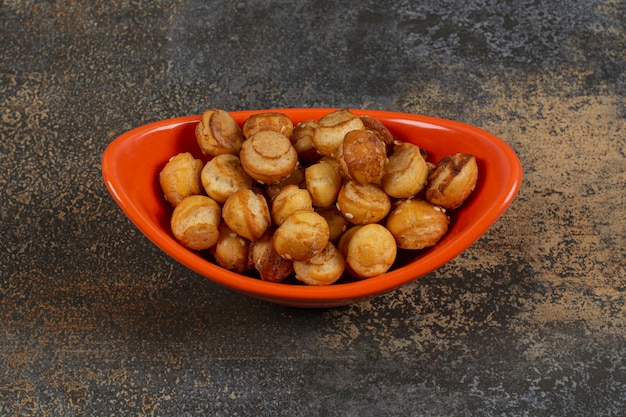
column 529, row 321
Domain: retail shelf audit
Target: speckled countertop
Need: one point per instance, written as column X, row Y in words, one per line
column 529, row 321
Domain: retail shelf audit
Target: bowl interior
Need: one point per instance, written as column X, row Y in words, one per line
column 132, row 162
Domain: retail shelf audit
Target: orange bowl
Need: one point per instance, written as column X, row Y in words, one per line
column 132, row 162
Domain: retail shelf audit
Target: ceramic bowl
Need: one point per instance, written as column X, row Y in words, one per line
column 132, row 162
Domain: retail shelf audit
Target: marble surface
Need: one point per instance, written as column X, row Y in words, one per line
column 529, row 321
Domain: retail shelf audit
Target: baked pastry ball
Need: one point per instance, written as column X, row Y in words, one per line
column 180, row 178
column 302, row 140
column 417, row 224
column 195, row 222
column 277, row 122
column 325, row 268
column 218, row 133
column 362, row 156
column 289, row 199
column 271, row 266
column 337, row 224
column 223, row 175
column 332, row 128
column 380, row 129
column 302, row 235
column 371, row 251
column 247, row 214
column 452, row 181
column 363, row 203
column 268, row 156
column 406, row 172
column 231, row 250
column 323, row 181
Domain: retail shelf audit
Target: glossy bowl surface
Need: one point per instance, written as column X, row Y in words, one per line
column 132, row 162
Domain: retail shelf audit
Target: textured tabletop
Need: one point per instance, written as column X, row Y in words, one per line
column 529, row 321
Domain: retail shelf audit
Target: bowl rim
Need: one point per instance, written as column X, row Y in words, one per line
column 302, row 295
